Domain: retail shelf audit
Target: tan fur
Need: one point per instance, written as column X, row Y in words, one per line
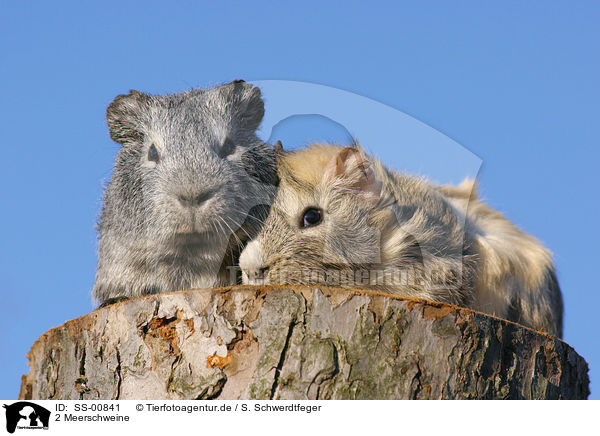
column 449, row 245
column 513, row 264
column 308, row 164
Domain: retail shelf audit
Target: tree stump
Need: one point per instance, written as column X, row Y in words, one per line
column 248, row 342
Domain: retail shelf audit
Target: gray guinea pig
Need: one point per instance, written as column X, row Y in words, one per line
column 191, row 184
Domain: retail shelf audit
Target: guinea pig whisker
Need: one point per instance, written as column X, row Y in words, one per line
column 248, row 215
column 237, row 239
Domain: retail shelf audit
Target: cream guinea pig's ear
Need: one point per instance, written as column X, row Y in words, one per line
column 279, row 151
column 350, row 169
column 282, row 168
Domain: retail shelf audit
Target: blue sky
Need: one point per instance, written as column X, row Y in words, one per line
column 514, row 83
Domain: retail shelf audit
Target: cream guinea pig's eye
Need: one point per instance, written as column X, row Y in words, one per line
column 153, row 154
column 311, row 217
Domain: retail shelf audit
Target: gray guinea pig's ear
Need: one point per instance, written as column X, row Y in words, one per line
column 245, row 100
column 124, row 116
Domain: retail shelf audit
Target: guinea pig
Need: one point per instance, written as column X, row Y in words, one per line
column 341, row 218
column 191, row 185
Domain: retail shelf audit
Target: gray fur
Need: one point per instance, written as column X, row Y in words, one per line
column 180, row 222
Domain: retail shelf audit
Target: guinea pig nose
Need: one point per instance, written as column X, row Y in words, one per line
column 194, row 200
column 256, row 276
column 261, row 273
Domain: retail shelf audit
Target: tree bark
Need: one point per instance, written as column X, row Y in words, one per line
column 297, row 343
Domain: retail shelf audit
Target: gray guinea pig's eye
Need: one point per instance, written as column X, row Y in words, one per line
column 311, row 217
column 153, row 154
column 227, row 148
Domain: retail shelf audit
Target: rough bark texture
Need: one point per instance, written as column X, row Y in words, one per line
column 297, row 343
